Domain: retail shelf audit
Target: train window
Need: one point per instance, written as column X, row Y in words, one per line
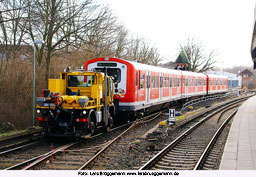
column 136, row 79
column 178, row 82
column 161, row 81
column 148, row 81
column 166, row 80
column 114, row 72
column 170, row 82
column 157, row 81
column 142, row 81
column 153, row 82
column 187, row 82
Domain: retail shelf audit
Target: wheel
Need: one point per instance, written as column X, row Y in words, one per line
column 110, row 124
column 92, row 127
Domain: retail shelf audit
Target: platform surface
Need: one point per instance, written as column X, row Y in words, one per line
column 240, row 148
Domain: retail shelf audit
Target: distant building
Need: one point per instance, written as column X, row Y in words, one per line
column 234, row 80
column 247, row 78
column 181, row 63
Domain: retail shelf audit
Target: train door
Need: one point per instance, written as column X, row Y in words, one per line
column 161, row 86
column 196, row 85
column 208, row 84
column 181, row 86
column 148, row 86
column 186, row 86
column 178, row 85
column 170, row 85
column 142, row 86
column 136, row 85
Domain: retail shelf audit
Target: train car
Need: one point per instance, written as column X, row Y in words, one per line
column 216, row 84
column 139, row 86
column 144, row 88
column 193, row 84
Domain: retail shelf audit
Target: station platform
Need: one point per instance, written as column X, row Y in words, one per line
column 240, row 149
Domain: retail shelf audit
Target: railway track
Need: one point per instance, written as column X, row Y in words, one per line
column 113, row 156
column 17, row 159
column 105, row 158
column 19, row 140
column 192, row 149
column 55, row 157
column 211, row 154
column 100, row 152
column 73, row 156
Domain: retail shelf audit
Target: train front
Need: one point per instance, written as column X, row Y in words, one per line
column 123, row 74
column 72, row 105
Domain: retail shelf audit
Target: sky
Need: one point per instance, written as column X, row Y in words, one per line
column 222, row 25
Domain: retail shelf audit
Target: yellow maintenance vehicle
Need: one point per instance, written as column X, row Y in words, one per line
column 76, row 104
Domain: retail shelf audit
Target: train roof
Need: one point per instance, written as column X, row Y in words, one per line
column 190, row 73
column 217, row 76
column 141, row 66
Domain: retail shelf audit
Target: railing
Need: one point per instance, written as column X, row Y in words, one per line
column 206, row 100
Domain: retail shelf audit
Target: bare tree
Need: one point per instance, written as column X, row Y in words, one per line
column 61, row 24
column 12, row 31
column 199, row 61
column 140, row 50
column 122, row 42
column 100, row 37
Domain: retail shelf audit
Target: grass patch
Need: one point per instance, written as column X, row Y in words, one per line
column 11, row 133
column 180, row 117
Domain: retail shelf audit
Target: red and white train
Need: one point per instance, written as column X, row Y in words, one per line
column 144, row 87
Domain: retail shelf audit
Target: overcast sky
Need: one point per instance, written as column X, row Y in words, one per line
column 223, row 25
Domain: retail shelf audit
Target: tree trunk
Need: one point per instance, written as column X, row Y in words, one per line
column 47, row 68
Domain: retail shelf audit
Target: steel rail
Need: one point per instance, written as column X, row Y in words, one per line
column 135, row 123
column 213, row 140
column 39, row 159
column 18, row 148
column 88, row 163
column 20, row 136
column 48, row 155
column 36, row 160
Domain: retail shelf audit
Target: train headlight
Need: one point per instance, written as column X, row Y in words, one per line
column 38, row 111
column 84, row 112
